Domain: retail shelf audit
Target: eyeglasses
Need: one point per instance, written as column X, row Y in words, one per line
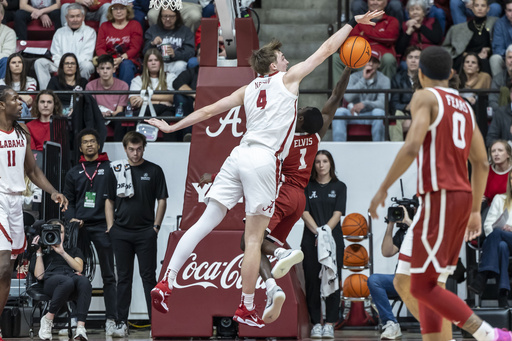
column 70, row 64
column 118, row 8
column 168, row 17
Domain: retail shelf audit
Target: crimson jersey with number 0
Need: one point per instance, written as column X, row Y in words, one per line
column 442, row 159
column 270, row 109
column 300, row 160
column 13, row 146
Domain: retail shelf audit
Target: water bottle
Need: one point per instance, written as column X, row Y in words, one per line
column 129, row 111
column 179, row 111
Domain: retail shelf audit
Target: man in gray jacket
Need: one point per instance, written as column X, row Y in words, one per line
column 364, row 104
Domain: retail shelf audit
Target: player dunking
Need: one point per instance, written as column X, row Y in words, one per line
column 443, row 136
column 16, row 159
column 252, row 169
column 290, row 203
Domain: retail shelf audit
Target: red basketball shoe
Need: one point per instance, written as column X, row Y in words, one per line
column 502, row 335
column 248, row 317
column 158, row 295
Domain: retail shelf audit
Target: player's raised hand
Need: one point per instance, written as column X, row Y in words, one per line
column 59, row 198
column 378, row 199
column 474, row 228
column 160, row 124
column 366, row 18
column 206, row 178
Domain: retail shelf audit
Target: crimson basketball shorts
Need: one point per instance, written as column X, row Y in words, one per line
column 251, row 172
column 439, row 232
column 290, row 204
column 12, row 232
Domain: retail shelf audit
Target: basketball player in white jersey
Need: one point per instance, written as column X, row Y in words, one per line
column 16, row 159
column 270, row 103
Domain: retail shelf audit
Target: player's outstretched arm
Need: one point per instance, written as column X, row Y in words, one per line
column 333, row 102
column 297, row 72
column 479, row 171
column 36, row 175
column 222, row 105
column 421, row 107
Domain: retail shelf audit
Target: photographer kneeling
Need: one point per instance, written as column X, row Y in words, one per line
column 60, row 270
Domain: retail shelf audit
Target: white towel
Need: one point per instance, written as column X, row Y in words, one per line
column 327, row 257
column 123, row 175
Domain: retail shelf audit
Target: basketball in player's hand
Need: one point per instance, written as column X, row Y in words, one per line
column 356, row 286
column 355, row 52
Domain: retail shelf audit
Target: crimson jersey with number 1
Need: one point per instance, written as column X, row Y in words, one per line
column 297, row 166
column 442, row 159
column 13, row 146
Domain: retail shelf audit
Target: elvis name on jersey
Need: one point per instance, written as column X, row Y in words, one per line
column 303, row 142
column 12, row 143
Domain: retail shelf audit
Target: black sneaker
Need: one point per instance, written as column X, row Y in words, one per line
column 478, row 284
column 503, row 299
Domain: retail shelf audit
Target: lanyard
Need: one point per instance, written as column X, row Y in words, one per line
column 93, row 175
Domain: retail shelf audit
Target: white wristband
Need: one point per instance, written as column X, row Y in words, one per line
column 39, row 254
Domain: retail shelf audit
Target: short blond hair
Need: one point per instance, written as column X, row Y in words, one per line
column 261, row 59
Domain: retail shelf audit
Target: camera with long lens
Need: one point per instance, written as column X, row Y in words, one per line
column 396, row 213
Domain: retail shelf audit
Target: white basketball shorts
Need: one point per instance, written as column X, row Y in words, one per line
column 12, row 232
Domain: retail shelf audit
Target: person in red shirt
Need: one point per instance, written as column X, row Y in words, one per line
column 47, row 104
column 443, row 137
column 501, row 165
column 121, row 37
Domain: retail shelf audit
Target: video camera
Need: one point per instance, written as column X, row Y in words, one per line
column 50, row 235
column 396, row 213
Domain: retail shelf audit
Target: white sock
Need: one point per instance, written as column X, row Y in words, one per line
column 270, row 284
column 248, row 300
column 278, row 251
column 485, row 332
column 171, row 277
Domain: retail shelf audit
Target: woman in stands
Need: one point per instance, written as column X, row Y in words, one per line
column 173, row 39
column 68, row 79
column 419, row 30
column 16, row 78
column 472, row 36
column 121, row 37
column 47, row 104
column 501, row 164
column 495, row 250
column 326, row 199
column 61, row 272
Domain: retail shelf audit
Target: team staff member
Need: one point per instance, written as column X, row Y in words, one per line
column 86, row 187
column 134, row 226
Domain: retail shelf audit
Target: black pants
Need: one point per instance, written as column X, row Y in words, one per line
column 22, row 18
column 128, row 243
column 105, row 252
column 62, row 288
column 311, row 270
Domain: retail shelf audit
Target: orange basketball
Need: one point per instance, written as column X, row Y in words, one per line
column 354, row 225
column 355, row 255
column 355, row 52
column 356, row 286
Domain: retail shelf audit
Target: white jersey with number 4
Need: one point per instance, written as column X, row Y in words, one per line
column 271, row 111
column 13, row 147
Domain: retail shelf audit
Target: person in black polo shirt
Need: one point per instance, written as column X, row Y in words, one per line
column 326, row 199
column 86, row 188
column 133, row 225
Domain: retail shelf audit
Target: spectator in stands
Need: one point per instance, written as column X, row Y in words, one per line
column 86, row 189
column 77, row 38
column 16, row 78
column 187, row 80
column 174, row 40
column 363, row 104
column 61, row 272
column 140, row 11
column 47, row 104
column 96, row 10
column 7, row 43
column 67, row 79
column 501, row 124
column 419, row 30
column 393, row 8
column 326, row 201
column 461, row 10
column 494, row 260
column 400, row 102
column 472, row 36
column 121, row 37
column 10, row 8
column 502, row 81
column 191, row 12
column 501, row 164
column 502, row 38
column 47, row 11
column 109, row 104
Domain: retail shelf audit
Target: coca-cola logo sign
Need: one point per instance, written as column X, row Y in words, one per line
column 216, row 274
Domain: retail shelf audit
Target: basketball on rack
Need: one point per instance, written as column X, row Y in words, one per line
column 355, row 255
column 356, row 286
column 354, row 225
column 355, row 52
